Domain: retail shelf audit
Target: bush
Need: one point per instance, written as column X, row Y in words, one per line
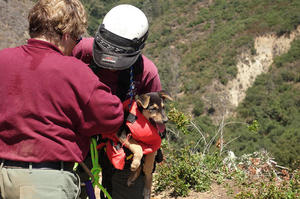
column 263, row 189
column 183, row 171
column 198, row 107
column 291, row 56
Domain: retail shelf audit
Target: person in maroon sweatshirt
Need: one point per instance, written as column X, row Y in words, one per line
column 115, row 56
column 51, row 104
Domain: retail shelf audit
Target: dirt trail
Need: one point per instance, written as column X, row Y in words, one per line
column 217, row 192
column 250, row 66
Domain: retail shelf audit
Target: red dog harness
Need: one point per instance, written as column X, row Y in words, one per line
column 141, row 130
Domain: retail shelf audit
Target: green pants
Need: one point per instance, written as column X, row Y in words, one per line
column 19, row 183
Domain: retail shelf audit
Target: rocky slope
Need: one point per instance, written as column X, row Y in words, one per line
column 228, row 97
column 250, row 66
column 13, row 22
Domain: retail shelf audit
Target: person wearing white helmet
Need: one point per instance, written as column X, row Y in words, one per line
column 115, row 57
column 120, row 38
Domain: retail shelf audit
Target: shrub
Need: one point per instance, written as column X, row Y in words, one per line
column 183, row 171
column 198, row 108
column 272, row 188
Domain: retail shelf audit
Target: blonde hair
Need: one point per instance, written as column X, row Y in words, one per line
column 53, row 18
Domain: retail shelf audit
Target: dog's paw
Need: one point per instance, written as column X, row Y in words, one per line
column 135, row 164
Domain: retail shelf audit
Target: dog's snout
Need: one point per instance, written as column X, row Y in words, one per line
column 165, row 119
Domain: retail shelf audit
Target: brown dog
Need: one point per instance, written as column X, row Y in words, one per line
column 151, row 105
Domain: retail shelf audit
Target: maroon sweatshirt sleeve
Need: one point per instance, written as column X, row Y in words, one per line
column 101, row 116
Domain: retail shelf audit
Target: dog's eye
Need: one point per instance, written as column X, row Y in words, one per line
column 152, row 109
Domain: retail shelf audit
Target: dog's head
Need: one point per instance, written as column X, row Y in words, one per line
column 152, row 105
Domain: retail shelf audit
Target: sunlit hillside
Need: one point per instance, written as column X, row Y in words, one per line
column 233, row 68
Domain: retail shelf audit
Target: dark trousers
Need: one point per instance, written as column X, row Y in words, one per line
column 115, row 181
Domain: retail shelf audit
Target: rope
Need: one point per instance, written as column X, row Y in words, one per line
column 131, row 87
column 96, row 167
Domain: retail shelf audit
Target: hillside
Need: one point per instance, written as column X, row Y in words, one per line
column 233, row 68
column 13, row 22
column 250, row 66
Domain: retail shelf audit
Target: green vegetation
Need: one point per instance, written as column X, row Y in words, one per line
column 271, row 188
column 187, row 169
column 209, row 37
column 184, row 171
column 274, row 101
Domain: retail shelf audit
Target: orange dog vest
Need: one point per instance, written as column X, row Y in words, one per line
column 141, row 130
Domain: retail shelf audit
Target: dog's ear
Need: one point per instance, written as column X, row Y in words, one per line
column 165, row 95
column 143, row 100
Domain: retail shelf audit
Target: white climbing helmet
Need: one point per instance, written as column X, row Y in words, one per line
column 120, row 38
column 126, row 21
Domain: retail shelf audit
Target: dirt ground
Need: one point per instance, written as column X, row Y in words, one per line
column 217, row 192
